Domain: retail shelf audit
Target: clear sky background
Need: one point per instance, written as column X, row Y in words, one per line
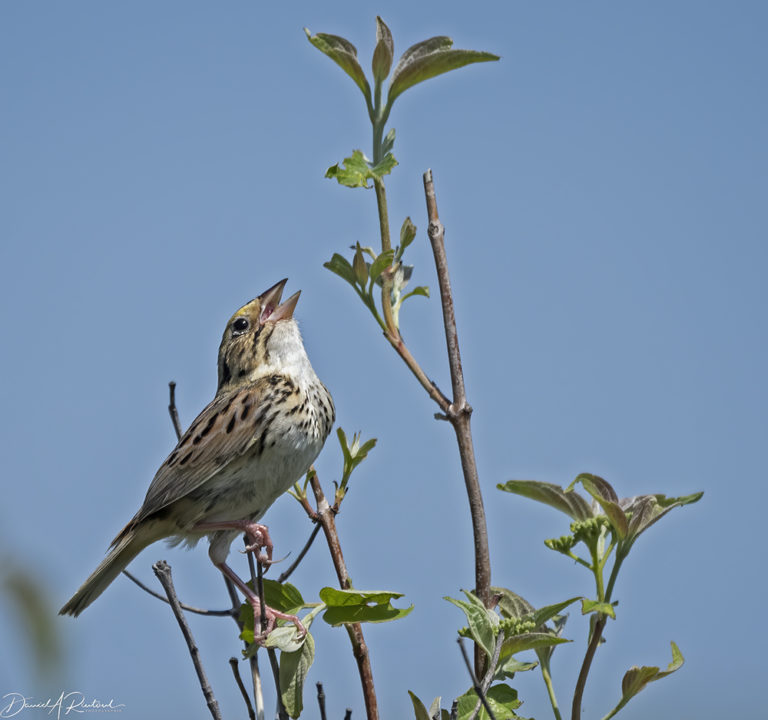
column 604, row 190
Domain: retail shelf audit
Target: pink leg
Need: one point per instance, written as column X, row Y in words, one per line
column 257, row 534
column 271, row 614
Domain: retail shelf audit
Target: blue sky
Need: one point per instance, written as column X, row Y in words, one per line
column 604, row 193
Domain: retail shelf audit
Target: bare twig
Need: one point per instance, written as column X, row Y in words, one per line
column 460, row 411
column 239, row 681
column 174, row 413
column 327, row 519
column 289, row 571
column 183, row 606
column 321, row 701
column 163, row 573
column 478, row 688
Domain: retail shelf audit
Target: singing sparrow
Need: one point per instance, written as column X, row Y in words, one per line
column 262, row 431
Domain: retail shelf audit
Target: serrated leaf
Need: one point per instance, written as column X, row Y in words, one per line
column 381, row 263
column 351, row 606
column 595, row 606
column 481, row 626
column 384, row 167
column 606, row 497
column 570, row 503
column 356, row 171
column 419, row 709
column 501, row 698
column 529, row 641
column 429, row 58
column 344, row 54
column 384, row 51
column 294, row 667
column 636, row 678
column 340, row 265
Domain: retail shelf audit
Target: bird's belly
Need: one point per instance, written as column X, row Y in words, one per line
column 248, row 485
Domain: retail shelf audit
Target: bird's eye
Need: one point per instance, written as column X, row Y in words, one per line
column 239, row 326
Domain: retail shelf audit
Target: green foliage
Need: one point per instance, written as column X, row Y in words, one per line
column 357, row 170
column 420, row 62
column 357, row 606
column 501, row 698
column 606, row 525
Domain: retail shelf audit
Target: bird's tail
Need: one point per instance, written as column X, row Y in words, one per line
column 128, row 544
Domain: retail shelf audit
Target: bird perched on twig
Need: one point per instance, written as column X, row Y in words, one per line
column 259, row 435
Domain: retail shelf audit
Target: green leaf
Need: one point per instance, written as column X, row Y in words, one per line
column 360, row 267
column 419, row 709
column 422, row 290
column 294, row 667
column 407, row 235
column 511, row 604
column 568, row 502
column 482, row 626
column 547, row 612
column 645, row 510
column 606, row 497
column 529, row 641
column 427, row 59
column 352, row 606
column 340, row 265
column 383, row 53
column 434, row 708
column 344, row 54
column 283, row 596
column 388, row 143
column 356, row 171
column 636, row 678
column 512, row 665
column 381, row 263
column 501, row 698
column 595, row 606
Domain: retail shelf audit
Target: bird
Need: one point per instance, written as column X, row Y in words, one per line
column 262, row 431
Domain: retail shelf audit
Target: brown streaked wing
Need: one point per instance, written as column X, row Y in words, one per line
column 224, row 430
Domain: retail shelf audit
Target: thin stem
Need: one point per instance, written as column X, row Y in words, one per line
column 321, row 701
column 257, row 580
column 460, row 411
column 183, row 606
column 386, row 244
column 327, row 520
column 172, row 411
column 289, row 571
column 594, row 641
column 163, row 573
column 475, row 684
column 550, row 691
column 239, row 682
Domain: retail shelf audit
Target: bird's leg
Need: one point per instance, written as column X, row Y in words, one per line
column 271, row 614
column 257, row 534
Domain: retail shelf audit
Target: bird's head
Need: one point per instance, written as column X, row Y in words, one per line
column 257, row 336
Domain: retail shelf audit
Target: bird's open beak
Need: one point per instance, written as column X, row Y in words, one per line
column 271, row 309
